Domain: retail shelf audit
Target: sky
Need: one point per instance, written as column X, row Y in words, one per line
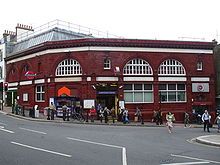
column 136, row 19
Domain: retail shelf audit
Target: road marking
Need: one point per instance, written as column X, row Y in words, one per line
column 5, row 130
column 30, row 130
column 124, row 157
column 186, row 163
column 3, row 112
column 193, row 158
column 3, row 123
column 41, row 149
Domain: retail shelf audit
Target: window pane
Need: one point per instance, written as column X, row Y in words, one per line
column 128, row 87
column 128, row 96
column 171, row 96
column 138, row 97
column 180, row 86
column 148, row 97
column 137, row 86
column 163, row 96
column 181, row 96
column 162, row 87
column 147, row 86
column 171, row 86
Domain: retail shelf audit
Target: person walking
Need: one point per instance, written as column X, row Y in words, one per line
column 170, row 119
column 125, row 116
column 92, row 113
column 101, row 114
column 217, row 120
column 186, row 119
column 106, row 113
column 206, row 117
column 113, row 114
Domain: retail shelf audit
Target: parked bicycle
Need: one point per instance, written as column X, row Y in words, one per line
column 77, row 116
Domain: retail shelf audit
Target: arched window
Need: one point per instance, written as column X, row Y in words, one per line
column 171, row 67
column 137, row 67
column 68, row 67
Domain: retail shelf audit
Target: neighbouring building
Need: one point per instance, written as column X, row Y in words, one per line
column 174, row 76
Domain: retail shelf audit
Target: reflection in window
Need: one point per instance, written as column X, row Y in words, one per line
column 172, row 92
column 138, row 93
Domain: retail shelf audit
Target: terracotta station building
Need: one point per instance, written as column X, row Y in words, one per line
column 174, row 76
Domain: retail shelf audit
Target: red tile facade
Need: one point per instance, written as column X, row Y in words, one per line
column 91, row 53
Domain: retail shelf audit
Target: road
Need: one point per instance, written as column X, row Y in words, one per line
column 25, row 142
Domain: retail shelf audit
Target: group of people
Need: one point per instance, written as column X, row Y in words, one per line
column 123, row 116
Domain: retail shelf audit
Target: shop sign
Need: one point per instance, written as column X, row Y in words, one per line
column 30, row 75
column 200, row 87
column 106, row 92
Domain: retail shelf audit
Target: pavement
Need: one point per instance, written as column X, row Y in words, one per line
column 212, row 139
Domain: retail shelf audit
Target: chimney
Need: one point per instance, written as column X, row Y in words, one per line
column 23, row 31
column 9, row 36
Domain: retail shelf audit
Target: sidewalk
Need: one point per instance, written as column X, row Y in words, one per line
column 213, row 140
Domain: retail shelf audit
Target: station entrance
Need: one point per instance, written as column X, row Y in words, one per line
column 107, row 95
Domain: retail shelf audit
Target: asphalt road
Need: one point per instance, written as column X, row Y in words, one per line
column 25, row 142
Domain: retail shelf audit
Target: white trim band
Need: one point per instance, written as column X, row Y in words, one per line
column 101, row 48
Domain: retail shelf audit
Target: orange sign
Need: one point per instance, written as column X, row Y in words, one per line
column 64, row 91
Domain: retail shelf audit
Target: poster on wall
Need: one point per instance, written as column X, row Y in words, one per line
column 122, row 104
column 88, row 103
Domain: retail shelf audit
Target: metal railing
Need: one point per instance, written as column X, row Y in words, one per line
column 67, row 26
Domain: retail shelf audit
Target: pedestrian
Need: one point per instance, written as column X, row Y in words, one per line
column 92, row 113
column 154, row 116
column 101, row 114
column 159, row 119
column 170, row 119
column 186, row 119
column 206, row 117
column 53, row 110
column 113, row 114
column 125, row 116
column 138, row 115
column 217, row 120
column 64, row 108
column 106, row 113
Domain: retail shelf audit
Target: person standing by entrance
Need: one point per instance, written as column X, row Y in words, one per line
column 53, row 110
column 64, row 108
column 206, row 117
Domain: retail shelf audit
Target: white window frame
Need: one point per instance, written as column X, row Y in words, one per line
column 41, row 93
column 168, row 91
column 68, row 67
column 199, row 66
column 107, row 63
column 171, row 67
column 137, row 67
column 25, row 96
column 143, row 91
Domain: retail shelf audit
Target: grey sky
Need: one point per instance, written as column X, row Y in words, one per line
column 145, row 19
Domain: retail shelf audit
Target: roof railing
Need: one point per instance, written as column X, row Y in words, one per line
column 67, row 26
